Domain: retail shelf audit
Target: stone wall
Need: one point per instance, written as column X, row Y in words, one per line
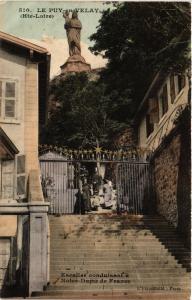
column 172, row 178
column 166, row 177
column 184, row 180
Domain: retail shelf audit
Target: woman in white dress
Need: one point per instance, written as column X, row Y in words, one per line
column 107, row 188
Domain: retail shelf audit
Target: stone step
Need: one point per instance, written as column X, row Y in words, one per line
column 89, row 232
column 98, row 247
column 98, row 253
column 113, row 246
column 113, row 230
column 140, row 246
column 115, row 256
column 92, row 233
column 155, row 228
column 106, row 219
column 119, row 266
column 116, row 245
column 128, row 251
column 99, row 286
column 111, row 269
column 117, row 250
column 137, row 285
column 145, row 275
column 99, row 219
column 94, row 236
column 107, row 224
column 114, row 295
column 149, row 242
column 122, row 258
column 107, row 216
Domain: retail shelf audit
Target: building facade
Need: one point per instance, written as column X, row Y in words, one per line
column 24, row 74
column 167, row 95
column 163, row 126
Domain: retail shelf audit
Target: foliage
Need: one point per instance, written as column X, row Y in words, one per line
column 139, row 39
column 86, row 116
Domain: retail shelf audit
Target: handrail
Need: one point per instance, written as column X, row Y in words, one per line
column 35, row 193
column 167, row 120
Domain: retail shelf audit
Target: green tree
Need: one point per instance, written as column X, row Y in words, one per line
column 139, row 39
column 86, row 116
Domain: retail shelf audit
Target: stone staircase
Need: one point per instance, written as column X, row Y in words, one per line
column 116, row 257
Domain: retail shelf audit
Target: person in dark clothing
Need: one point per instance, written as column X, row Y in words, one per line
column 86, row 197
column 79, row 207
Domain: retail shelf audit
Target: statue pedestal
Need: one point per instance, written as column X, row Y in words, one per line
column 75, row 63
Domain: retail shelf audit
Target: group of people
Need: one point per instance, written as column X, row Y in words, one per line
column 93, row 197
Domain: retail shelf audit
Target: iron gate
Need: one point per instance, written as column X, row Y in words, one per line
column 62, row 180
column 134, row 187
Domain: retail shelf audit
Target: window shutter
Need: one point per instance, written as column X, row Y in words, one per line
column 172, row 88
column 152, row 103
column 7, row 179
column 9, row 108
column 181, row 82
column 1, row 94
column 154, row 117
column 164, row 100
column 21, row 176
column 4, row 261
column 149, row 125
column 8, row 98
column 153, row 110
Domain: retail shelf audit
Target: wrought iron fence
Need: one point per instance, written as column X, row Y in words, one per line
column 64, row 172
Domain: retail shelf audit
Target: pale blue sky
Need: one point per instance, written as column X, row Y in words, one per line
column 32, row 28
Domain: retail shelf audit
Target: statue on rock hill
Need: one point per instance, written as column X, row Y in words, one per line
column 73, row 28
column 75, row 62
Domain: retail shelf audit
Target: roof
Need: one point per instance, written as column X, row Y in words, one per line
column 7, row 148
column 22, row 43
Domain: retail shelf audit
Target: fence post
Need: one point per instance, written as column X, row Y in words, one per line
column 38, row 247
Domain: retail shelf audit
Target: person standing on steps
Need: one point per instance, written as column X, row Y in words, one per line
column 107, row 188
column 86, row 194
column 79, row 207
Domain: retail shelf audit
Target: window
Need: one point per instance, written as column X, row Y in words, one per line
column 1, row 92
column 149, row 125
column 21, row 176
column 181, row 82
column 6, row 179
column 8, row 99
column 164, row 100
column 172, row 88
column 153, row 110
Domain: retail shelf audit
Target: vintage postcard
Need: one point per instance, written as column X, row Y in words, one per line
column 95, row 150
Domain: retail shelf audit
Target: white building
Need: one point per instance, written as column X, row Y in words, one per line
column 24, row 76
column 155, row 117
